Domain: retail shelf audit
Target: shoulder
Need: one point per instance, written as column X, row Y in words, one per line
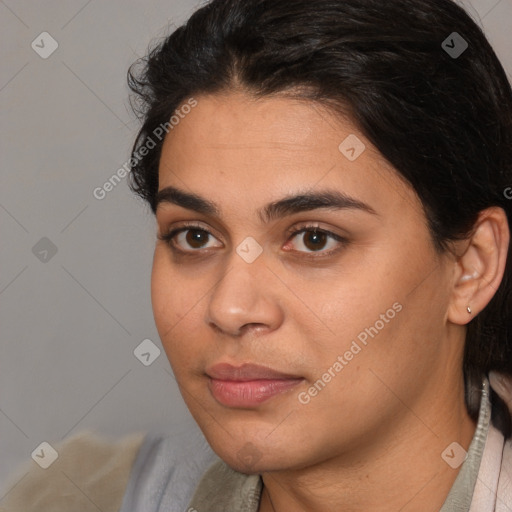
column 502, row 385
column 167, row 471
column 504, row 492
column 89, row 471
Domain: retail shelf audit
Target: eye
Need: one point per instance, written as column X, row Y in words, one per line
column 191, row 235
column 315, row 240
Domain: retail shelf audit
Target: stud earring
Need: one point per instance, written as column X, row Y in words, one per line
column 469, row 310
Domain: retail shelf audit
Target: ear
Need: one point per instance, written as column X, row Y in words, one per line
column 480, row 268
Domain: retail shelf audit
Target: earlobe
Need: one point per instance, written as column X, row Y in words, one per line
column 479, row 270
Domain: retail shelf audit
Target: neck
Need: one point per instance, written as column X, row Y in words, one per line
column 403, row 470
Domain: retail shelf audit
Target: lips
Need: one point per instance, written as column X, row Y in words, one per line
column 246, row 372
column 248, row 385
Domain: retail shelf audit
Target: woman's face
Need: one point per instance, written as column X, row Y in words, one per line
column 351, row 324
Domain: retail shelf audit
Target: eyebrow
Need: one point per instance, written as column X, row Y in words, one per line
column 324, row 199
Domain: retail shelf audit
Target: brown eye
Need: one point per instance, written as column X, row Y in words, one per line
column 196, row 238
column 315, row 240
column 188, row 239
column 312, row 239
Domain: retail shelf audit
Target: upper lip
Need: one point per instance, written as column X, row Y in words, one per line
column 246, row 372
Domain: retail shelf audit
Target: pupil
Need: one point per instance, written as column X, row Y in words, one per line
column 317, row 238
column 194, row 237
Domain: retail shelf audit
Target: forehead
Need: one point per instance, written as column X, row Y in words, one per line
column 275, row 125
column 243, row 152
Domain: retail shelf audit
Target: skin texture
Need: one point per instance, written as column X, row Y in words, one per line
column 372, row 438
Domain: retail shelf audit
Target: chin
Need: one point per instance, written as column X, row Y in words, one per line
column 252, row 467
column 251, row 458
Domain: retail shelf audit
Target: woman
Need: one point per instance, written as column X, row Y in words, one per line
column 331, row 281
column 331, row 277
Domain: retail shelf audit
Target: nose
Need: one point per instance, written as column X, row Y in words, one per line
column 245, row 298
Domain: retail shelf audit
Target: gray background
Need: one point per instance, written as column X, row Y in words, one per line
column 70, row 321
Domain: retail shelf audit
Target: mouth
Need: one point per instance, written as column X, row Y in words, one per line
column 248, row 385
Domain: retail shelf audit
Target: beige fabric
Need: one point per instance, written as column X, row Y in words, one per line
column 485, row 492
column 504, row 499
column 90, row 474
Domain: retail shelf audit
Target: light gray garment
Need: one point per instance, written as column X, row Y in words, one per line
column 461, row 493
column 182, row 474
column 166, row 472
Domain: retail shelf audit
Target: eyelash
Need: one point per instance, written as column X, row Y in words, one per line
column 304, row 228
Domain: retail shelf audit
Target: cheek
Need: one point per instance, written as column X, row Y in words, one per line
column 387, row 303
column 174, row 301
column 161, row 296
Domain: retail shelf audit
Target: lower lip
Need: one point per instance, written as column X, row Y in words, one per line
column 251, row 393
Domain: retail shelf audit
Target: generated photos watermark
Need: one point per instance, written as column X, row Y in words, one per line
column 158, row 133
column 305, row 397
